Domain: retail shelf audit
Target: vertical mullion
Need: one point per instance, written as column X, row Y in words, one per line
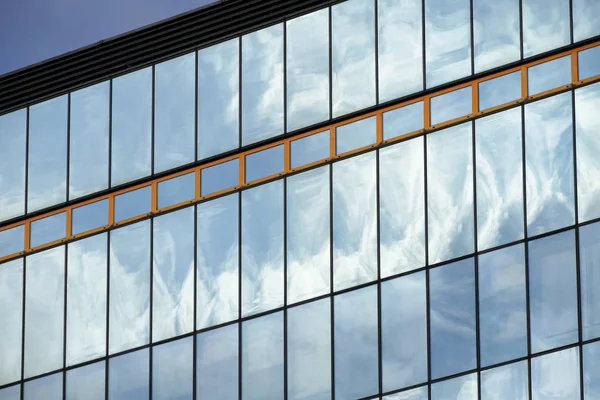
column 427, row 305
column 107, row 350
column 152, row 151
column 23, row 325
column 472, row 36
column 196, row 105
column 571, row 30
column 330, row 63
column 110, row 107
column 68, row 160
column 285, row 127
column 379, row 319
column 66, row 270
column 25, row 247
column 526, row 245
column 285, row 324
column 150, row 348
column 376, row 29
column 239, row 323
column 26, row 194
column 240, row 93
column 476, row 258
column 423, row 44
column 195, row 318
column 521, row 43
column 331, row 282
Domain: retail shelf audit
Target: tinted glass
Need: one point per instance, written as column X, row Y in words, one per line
column 589, row 264
column 309, row 149
column 46, row 388
column 90, row 216
column 11, row 309
column 506, row 382
column 463, row 388
column 264, row 163
column 589, row 62
column 176, row 190
column 86, row 383
column 403, row 120
column 451, row 105
column 586, row 20
column 217, row 364
column 549, row 75
column 11, row 393
column 591, row 370
column 172, row 370
column 545, row 25
column 48, row 229
column 356, row 135
column 133, row 203
column 12, row 240
column 13, row 131
column 413, row 394
column 128, row 376
column 556, row 376
column 220, row 177
column 500, row 90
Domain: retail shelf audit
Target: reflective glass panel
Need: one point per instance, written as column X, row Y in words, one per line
column 217, row 364
column 500, row 90
column 506, row 382
column 86, row 299
column 549, row 75
column 89, row 216
column 452, row 318
column 86, row 383
column 11, row 393
column 589, row 63
column 220, row 177
column 264, row 163
column 553, row 291
column 591, row 370
column 309, row 351
column 353, row 56
column 13, row 131
column 356, row 343
column 262, row 357
column 545, row 25
column 174, row 103
column 496, row 30
column 549, row 164
column 172, row 370
column 262, row 248
column 499, row 175
column 404, row 331
column 356, row 135
column 44, row 311
column 461, row 388
column 308, row 243
column 556, row 376
column 400, row 30
column 413, row 394
column 262, row 84
column 502, row 305
column 176, row 190
column 450, row 193
column 402, row 207
column 403, row 120
column 47, row 169
column 589, row 263
column 307, row 52
column 309, row 149
column 129, row 306
column 447, row 40
column 586, row 19
column 217, row 261
column 354, row 221
column 12, row 240
column 89, row 137
column 451, row 105
column 173, row 274
column 128, row 376
column 133, row 203
column 48, row 229
column 11, row 310
column 47, row 388
column 131, row 126
column 218, row 98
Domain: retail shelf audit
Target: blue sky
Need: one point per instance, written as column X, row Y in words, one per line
column 35, row 30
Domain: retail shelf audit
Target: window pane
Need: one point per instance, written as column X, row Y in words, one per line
column 309, row 351
column 174, row 103
column 553, row 291
column 498, row 154
column 13, row 131
column 128, row 376
column 556, row 376
column 309, row 149
column 86, row 299
column 356, row 135
column 220, row 177
column 90, row 216
column 452, row 318
column 264, row 163
column 217, row 261
column 502, row 305
column 308, row 243
column 549, row 164
column 86, row 383
column 356, row 343
column 463, row 388
column 549, row 75
column 11, row 308
column 217, row 364
column 404, row 331
column 589, row 259
column 506, row 382
column 11, row 393
column 452, row 105
column 172, row 370
column 48, row 229
column 46, row 388
column 307, row 69
column 545, row 25
column 262, row 248
column 131, row 126
column 589, row 62
column 134, row 203
column 586, row 20
column 447, row 40
column 89, row 130
column 500, row 90
column 262, row 357
column 413, row 394
column 47, row 172
column 450, row 193
column 12, row 240
column 262, row 84
column 176, row 190
column 129, row 307
column 591, row 370
column 354, row 221
column 353, row 56
column 403, row 120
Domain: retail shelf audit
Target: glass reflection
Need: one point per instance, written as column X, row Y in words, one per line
column 220, row 177
column 308, row 250
column 129, row 306
column 176, row 190
column 499, row 178
column 591, row 370
column 589, row 63
column 89, row 137
column 556, row 376
column 586, row 19
column 133, row 203
column 447, row 40
column 172, row 370
column 402, row 207
column 545, row 25
column 553, row 291
column 354, row 221
column 402, row 120
column 86, row 299
column 450, row 193
column 89, row 216
column 86, row 383
column 461, row 388
column 451, row 105
column 307, row 53
column 549, row 164
column 217, row 261
column 46, row 388
column 13, row 131
column 506, row 382
column 356, row 135
column 264, row 163
column 217, row 364
column 309, row 351
column 131, row 126
column 262, row 84
column 549, row 75
column 173, row 274
column 404, row 331
column 11, row 307
column 262, row 248
column 128, row 376
column 11, row 393
column 44, row 311
column 12, row 240
column 589, row 264
column 174, row 98
column 48, row 229
column 47, row 169
column 452, row 318
column 353, row 56
column 262, row 358
column 309, row 149
column 413, row 394
column 500, row 90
